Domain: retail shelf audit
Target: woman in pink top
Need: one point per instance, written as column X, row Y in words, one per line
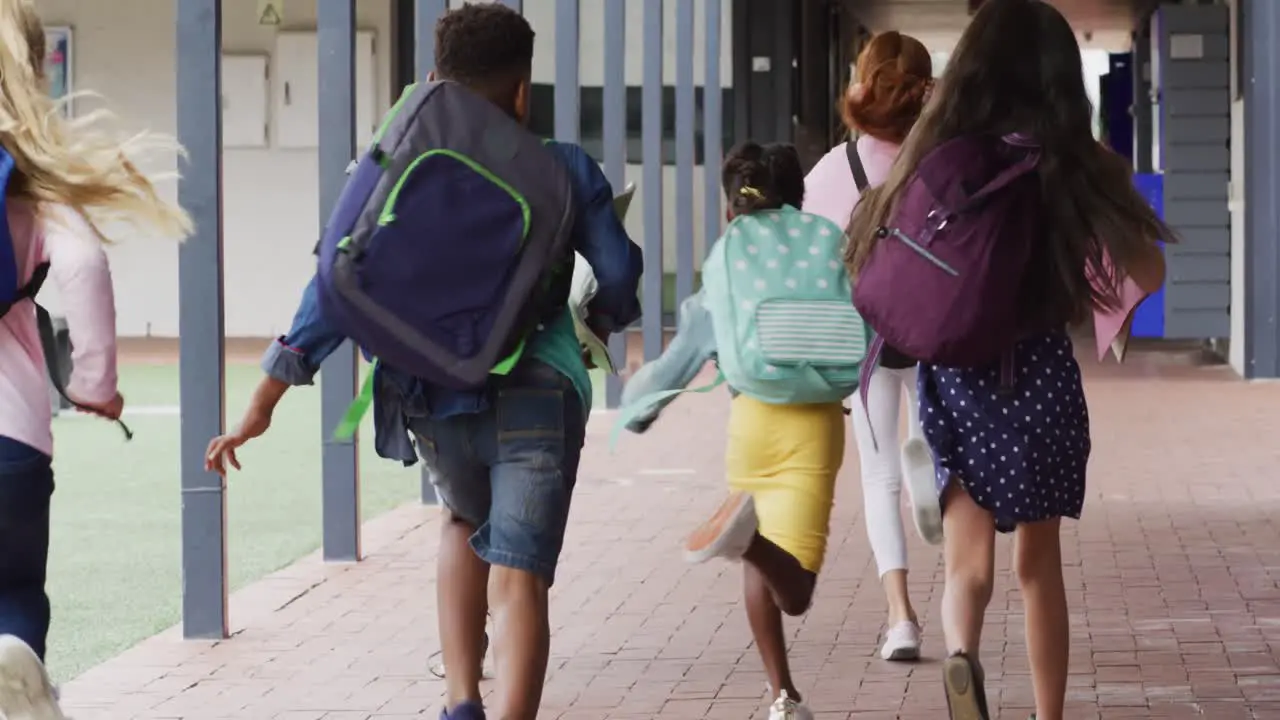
column 892, row 80
column 70, row 180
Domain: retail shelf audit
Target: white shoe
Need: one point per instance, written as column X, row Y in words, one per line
column 727, row 534
column 25, row 690
column 922, row 489
column 784, row 708
column 902, row 642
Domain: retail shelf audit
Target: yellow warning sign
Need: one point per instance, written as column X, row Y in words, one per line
column 270, row 12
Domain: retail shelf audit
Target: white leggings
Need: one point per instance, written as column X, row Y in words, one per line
column 882, row 468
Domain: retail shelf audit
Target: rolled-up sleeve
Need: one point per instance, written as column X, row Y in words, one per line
column 295, row 358
column 601, row 239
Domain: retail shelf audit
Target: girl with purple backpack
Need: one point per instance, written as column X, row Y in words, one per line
column 1002, row 224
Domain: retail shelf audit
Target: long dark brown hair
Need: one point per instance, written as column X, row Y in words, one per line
column 994, row 85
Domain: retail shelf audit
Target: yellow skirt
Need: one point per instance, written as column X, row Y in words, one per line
column 787, row 458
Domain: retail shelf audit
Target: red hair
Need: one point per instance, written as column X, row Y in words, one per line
column 891, row 84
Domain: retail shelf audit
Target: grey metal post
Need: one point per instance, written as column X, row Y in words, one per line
column 685, row 99
column 200, row 319
column 1261, row 51
column 425, row 15
column 568, row 92
column 615, row 146
column 712, row 125
column 336, row 32
column 651, row 131
column 517, row 5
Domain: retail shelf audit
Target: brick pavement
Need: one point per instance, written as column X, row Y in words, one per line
column 1172, row 577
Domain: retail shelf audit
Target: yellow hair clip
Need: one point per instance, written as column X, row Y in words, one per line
column 749, row 191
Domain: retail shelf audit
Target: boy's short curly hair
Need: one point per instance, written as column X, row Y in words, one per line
column 486, row 46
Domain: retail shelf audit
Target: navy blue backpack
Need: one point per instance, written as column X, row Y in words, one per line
column 13, row 291
column 451, row 242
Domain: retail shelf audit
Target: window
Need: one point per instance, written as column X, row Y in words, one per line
column 591, row 123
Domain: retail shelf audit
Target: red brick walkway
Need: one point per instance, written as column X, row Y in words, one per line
column 1172, row 577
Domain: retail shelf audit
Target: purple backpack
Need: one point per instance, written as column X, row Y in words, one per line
column 943, row 281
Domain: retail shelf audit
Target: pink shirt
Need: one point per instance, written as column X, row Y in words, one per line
column 79, row 270
column 829, row 189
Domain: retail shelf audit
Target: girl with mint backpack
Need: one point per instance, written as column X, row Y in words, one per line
column 775, row 313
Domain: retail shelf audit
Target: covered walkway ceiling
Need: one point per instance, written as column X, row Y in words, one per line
column 942, row 18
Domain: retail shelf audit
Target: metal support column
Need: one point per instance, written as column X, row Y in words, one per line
column 615, row 146
column 712, row 127
column 685, row 108
column 425, row 15
column 336, row 32
column 568, row 93
column 200, row 319
column 1260, row 37
column 651, row 131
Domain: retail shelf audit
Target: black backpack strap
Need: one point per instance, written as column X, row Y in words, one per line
column 49, row 341
column 855, row 164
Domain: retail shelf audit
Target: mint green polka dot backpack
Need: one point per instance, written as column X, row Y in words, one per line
column 786, row 329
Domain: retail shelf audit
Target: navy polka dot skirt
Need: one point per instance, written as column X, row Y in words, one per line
column 1021, row 455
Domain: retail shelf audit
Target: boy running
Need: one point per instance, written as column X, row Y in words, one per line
column 505, row 457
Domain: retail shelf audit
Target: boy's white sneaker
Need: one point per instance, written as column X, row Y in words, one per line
column 922, row 489
column 784, row 708
column 727, row 534
column 26, row 692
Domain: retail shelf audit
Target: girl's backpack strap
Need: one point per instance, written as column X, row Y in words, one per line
column 855, row 165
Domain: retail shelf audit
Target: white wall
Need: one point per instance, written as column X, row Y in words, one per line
column 124, row 50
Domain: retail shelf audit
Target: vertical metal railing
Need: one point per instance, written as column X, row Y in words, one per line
column 200, row 318
column 712, row 125
column 335, row 41
column 568, row 92
column 685, row 136
column 652, row 141
column 614, row 131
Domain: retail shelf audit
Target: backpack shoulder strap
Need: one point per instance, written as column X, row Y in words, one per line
column 855, row 164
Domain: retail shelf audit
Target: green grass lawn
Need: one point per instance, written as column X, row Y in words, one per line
column 115, row 571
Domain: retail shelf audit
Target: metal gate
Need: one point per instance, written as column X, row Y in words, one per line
column 199, row 84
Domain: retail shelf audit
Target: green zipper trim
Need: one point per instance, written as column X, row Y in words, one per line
column 507, row 364
column 356, row 411
column 389, row 209
column 395, row 110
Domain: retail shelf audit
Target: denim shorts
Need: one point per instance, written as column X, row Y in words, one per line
column 509, row 471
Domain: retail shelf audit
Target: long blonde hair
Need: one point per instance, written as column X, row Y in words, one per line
column 77, row 163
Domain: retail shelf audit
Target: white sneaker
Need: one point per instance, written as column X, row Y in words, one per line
column 902, row 642
column 727, row 534
column 784, row 708
column 922, row 489
column 25, row 690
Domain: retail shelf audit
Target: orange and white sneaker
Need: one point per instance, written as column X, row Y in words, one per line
column 727, row 534
column 25, row 690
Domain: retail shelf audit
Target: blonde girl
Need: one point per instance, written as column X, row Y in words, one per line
column 71, row 182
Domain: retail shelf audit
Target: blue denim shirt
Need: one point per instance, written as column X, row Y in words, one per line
column 598, row 235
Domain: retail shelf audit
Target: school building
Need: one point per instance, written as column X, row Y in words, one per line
column 273, row 98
